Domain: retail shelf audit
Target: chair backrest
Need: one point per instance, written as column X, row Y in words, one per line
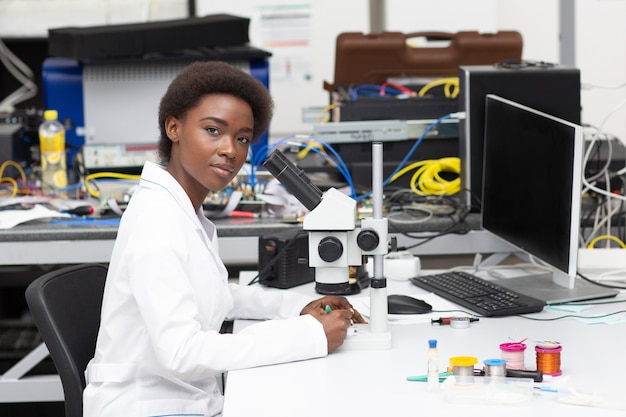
column 65, row 305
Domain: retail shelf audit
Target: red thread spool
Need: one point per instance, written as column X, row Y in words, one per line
column 513, row 354
column 549, row 360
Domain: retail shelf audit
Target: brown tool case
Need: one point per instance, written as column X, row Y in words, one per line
column 375, row 58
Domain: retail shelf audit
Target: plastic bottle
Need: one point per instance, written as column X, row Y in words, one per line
column 52, row 148
column 433, row 366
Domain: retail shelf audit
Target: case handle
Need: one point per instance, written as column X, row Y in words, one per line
column 434, row 36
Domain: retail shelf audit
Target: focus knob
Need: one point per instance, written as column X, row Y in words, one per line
column 367, row 240
column 330, row 249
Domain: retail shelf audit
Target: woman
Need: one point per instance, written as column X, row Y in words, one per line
column 159, row 350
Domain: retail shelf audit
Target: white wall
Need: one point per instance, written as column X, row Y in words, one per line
column 537, row 21
column 33, row 18
column 601, row 57
column 600, row 51
column 441, row 15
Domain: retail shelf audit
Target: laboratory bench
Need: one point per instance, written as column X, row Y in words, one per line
column 373, row 382
column 66, row 242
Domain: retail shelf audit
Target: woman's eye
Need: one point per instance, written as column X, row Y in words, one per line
column 212, row 130
column 244, row 139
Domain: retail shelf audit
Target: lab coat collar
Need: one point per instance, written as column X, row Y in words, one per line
column 156, row 177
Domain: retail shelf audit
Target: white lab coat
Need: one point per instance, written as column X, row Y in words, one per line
column 159, row 350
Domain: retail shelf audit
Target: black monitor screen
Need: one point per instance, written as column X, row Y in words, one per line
column 532, row 181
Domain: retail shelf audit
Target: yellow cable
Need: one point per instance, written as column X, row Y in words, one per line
column 451, row 87
column 302, row 153
column 13, row 183
column 415, row 180
column 410, row 168
column 602, row 237
column 16, row 166
column 324, row 112
column 427, row 179
column 430, row 182
column 91, row 177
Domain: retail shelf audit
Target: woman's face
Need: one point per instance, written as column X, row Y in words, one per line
column 210, row 144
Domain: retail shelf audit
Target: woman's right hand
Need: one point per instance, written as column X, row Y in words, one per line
column 336, row 324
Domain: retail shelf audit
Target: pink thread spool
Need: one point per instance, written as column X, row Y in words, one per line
column 513, row 354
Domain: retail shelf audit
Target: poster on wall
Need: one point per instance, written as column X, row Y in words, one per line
column 285, row 30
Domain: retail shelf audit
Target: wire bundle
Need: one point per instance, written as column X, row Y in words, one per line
column 608, row 189
column 427, row 179
column 391, row 89
column 312, row 144
column 450, row 87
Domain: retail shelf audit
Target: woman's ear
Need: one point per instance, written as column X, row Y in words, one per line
column 172, row 126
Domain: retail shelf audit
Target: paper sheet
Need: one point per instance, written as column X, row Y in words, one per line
column 11, row 218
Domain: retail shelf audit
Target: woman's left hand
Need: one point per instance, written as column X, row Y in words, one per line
column 318, row 307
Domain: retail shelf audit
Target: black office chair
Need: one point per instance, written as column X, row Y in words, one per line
column 65, row 305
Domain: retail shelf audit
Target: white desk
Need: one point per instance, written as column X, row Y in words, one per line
column 373, row 382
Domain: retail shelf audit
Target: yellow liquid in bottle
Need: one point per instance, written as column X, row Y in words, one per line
column 53, row 161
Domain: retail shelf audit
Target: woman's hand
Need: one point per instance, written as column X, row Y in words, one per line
column 318, row 307
column 336, row 320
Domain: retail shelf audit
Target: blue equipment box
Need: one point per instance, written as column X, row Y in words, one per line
column 116, row 102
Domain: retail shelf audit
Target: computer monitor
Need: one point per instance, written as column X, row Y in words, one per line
column 532, row 167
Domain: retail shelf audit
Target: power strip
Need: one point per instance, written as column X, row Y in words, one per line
column 599, row 261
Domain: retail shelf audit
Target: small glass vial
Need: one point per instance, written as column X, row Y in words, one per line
column 433, row 366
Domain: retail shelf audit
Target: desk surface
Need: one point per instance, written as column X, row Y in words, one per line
column 56, row 243
column 231, row 227
column 94, row 230
column 373, row 382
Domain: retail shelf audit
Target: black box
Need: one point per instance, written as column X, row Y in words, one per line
column 548, row 88
column 11, row 145
column 284, row 259
column 136, row 40
column 384, row 108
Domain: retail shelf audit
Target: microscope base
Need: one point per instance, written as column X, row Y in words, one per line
column 360, row 337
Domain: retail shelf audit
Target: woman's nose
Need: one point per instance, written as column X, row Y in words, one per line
column 228, row 148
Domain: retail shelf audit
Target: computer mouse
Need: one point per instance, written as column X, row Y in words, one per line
column 405, row 304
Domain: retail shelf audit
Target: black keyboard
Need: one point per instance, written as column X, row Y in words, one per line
column 478, row 294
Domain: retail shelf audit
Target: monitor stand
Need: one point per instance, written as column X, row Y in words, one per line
column 543, row 287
